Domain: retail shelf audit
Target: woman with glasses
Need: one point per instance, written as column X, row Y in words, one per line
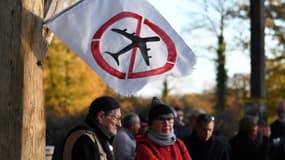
column 160, row 142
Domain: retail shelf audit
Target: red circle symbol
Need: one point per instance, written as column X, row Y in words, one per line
column 97, row 54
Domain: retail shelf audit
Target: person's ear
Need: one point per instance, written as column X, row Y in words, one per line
column 100, row 117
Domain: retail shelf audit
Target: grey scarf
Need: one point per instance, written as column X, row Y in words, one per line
column 161, row 139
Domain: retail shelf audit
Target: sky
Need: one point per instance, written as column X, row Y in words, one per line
column 203, row 75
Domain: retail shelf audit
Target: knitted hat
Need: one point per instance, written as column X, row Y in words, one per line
column 158, row 108
column 104, row 103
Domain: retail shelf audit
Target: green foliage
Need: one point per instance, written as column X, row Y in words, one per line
column 275, row 83
column 222, row 77
column 275, row 67
column 275, row 16
column 165, row 90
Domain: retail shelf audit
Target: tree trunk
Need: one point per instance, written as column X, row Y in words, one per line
column 22, row 118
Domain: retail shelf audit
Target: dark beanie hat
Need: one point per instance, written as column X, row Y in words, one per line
column 158, row 108
column 104, row 103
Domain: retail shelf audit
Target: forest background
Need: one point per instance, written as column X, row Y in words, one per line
column 70, row 85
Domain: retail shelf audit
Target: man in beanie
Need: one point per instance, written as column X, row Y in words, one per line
column 92, row 139
column 160, row 142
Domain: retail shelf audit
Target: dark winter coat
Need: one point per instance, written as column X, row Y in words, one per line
column 90, row 144
column 277, row 140
column 245, row 148
column 277, row 130
column 214, row 149
column 180, row 130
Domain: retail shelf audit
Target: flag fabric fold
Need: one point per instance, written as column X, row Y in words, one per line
column 127, row 42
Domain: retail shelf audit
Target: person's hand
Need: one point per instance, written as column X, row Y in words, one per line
column 266, row 131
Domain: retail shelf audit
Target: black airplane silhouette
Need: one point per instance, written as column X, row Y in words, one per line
column 137, row 41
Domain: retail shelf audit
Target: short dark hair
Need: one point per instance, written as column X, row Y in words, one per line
column 176, row 108
column 246, row 124
column 205, row 118
column 104, row 103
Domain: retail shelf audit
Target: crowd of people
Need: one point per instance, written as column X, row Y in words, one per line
column 107, row 135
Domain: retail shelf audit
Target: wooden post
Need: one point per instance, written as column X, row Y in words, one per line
column 257, row 78
column 22, row 118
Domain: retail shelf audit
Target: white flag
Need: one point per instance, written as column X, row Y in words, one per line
column 127, row 42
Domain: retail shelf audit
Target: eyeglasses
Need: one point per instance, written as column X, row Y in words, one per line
column 165, row 119
column 114, row 117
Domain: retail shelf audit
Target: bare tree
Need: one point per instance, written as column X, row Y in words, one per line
column 213, row 19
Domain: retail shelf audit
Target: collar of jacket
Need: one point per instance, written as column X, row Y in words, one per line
column 100, row 130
